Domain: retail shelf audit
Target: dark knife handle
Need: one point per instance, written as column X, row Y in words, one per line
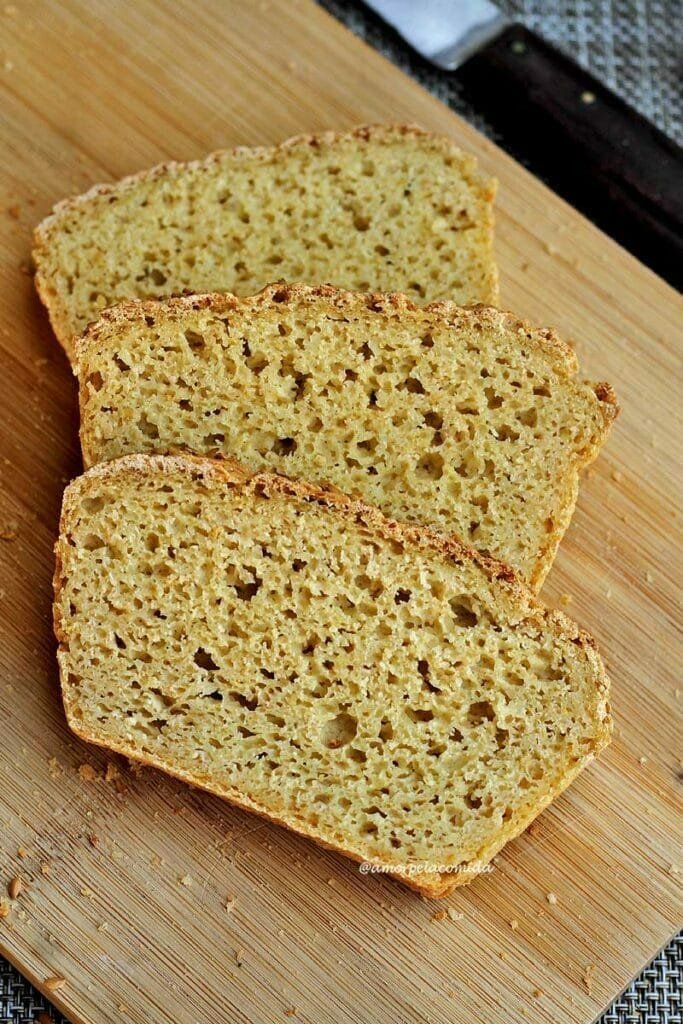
column 594, row 149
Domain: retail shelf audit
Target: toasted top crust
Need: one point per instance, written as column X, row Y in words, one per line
column 382, row 133
column 561, row 355
column 221, row 470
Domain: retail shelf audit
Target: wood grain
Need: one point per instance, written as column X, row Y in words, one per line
column 94, row 91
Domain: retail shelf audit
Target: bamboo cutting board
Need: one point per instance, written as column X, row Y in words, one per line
column 126, row 874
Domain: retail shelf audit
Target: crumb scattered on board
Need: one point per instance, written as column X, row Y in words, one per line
column 186, row 880
column 587, row 978
column 552, row 898
column 54, row 982
column 230, row 903
column 514, row 924
column 87, row 772
column 9, row 531
column 14, row 887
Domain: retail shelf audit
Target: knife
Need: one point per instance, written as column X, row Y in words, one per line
column 593, row 148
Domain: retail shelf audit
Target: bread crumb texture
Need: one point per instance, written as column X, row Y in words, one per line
column 469, row 420
column 380, row 688
column 388, row 207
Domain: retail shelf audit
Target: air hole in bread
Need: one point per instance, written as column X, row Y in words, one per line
column 463, row 613
column 339, row 731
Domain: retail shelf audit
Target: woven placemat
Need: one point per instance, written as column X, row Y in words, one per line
column 634, row 46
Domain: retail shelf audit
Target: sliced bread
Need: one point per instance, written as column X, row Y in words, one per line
column 468, row 420
column 378, row 687
column 383, row 207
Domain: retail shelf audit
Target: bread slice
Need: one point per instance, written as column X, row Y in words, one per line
column 468, row 420
column 378, row 687
column 389, row 207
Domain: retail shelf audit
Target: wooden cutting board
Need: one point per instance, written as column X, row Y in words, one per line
column 126, row 874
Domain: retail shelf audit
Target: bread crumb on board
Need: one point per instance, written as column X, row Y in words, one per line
column 54, row 982
column 186, row 880
column 514, row 924
column 552, row 898
column 9, row 531
column 5, row 909
column 230, row 903
column 87, row 772
column 587, row 978
column 14, row 887
column 449, row 914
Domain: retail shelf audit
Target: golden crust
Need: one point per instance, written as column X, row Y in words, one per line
column 559, row 353
column 362, row 133
column 228, row 472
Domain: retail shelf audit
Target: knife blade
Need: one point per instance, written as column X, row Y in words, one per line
column 593, row 148
column 444, row 32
